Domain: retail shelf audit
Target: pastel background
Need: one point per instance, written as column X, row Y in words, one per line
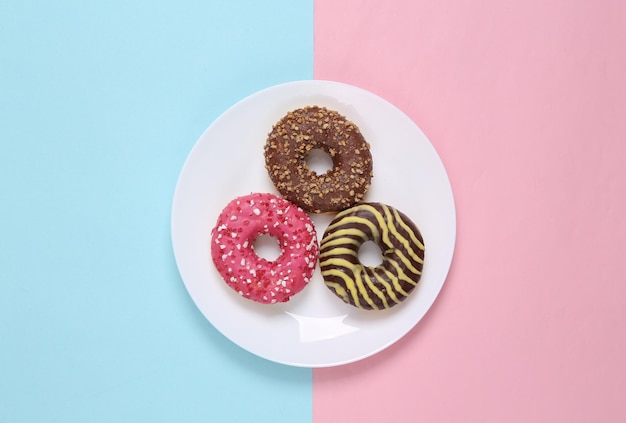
column 525, row 101
column 100, row 103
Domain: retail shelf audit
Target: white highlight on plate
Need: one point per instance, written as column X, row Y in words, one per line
column 313, row 329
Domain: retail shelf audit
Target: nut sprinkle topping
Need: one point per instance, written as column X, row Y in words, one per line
column 291, row 140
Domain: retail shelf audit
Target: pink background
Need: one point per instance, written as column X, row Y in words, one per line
column 525, row 101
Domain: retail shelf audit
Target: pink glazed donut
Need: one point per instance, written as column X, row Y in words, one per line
column 253, row 277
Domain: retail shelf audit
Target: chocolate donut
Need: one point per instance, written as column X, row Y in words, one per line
column 366, row 287
column 291, row 140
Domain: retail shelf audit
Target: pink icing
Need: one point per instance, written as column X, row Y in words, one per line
column 254, row 277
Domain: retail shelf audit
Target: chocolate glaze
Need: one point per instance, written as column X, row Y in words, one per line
column 294, row 136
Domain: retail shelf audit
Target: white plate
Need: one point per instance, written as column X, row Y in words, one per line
column 315, row 328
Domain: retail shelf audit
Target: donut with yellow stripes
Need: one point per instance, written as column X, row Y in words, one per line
column 366, row 287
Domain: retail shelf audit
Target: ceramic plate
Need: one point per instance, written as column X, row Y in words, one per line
column 315, row 328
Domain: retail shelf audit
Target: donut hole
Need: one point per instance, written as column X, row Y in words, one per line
column 267, row 247
column 319, row 161
column 370, row 254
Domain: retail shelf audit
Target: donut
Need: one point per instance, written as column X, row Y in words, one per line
column 366, row 287
column 261, row 280
column 291, row 140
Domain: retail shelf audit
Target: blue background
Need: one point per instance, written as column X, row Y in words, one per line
column 100, row 103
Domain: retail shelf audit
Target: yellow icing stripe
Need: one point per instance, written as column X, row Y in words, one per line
column 355, row 220
column 356, row 282
column 340, row 241
column 388, row 288
column 339, row 262
column 408, row 262
column 394, row 281
column 414, row 238
column 400, row 275
column 346, row 232
column 348, row 281
column 362, row 290
column 339, row 250
column 405, row 242
column 372, row 285
column 338, row 289
column 381, row 224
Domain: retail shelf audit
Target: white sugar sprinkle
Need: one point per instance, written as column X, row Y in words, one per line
column 256, row 211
